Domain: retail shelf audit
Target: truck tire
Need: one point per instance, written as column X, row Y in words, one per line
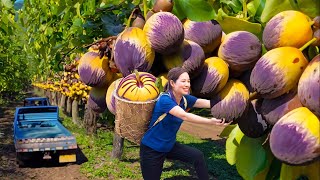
column 19, row 160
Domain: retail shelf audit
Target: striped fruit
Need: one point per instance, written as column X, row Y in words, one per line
column 273, row 109
column 287, row 28
column 211, row 79
column 93, row 70
column 309, row 86
column 132, row 51
column 294, row 139
column 241, row 50
column 207, row 34
column 277, row 72
column 252, row 123
column 164, row 32
column 110, row 99
column 138, row 86
column 231, row 101
column 97, row 99
column 190, row 56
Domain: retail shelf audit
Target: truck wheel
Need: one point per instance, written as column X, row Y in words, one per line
column 19, row 160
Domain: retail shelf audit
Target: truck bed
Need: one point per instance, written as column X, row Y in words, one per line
column 44, row 129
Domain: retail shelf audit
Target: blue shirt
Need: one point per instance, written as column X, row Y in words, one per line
column 162, row 136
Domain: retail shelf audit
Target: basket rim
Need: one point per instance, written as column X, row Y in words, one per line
column 115, row 94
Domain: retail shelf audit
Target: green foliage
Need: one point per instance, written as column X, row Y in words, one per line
column 232, row 144
column 195, row 10
column 56, row 28
column 14, row 76
column 273, row 7
column 251, row 157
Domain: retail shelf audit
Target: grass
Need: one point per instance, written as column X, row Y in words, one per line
column 97, row 149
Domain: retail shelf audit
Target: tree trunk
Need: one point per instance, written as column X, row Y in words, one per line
column 48, row 95
column 54, row 98
column 62, row 104
column 81, row 111
column 75, row 111
column 69, row 106
column 58, row 98
column 90, row 121
column 42, row 92
column 117, row 148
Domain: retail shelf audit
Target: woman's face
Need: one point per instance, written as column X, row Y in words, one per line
column 182, row 85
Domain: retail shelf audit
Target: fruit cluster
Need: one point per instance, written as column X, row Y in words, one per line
column 67, row 83
column 266, row 85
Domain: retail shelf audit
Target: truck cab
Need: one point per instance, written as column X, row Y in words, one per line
column 36, row 101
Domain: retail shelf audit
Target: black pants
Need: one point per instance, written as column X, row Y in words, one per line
column 151, row 161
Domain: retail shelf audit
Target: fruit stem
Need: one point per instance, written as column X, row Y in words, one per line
column 311, row 23
column 307, row 44
column 138, row 78
column 145, row 9
column 253, row 95
column 130, row 17
column 244, row 6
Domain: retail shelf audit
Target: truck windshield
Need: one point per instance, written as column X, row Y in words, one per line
column 38, row 110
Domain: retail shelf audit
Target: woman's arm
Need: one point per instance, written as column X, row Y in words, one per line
column 202, row 103
column 180, row 113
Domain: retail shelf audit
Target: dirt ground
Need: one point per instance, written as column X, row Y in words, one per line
column 52, row 171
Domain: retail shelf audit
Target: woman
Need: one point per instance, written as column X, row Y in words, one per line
column 159, row 142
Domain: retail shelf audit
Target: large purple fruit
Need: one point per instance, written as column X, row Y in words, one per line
column 93, row 70
column 207, row 34
column 251, row 123
column 274, row 109
column 190, row 56
column 309, row 86
column 211, row 79
column 97, row 99
column 231, row 101
column 133, row 51
column 278, row 71
column 241, row 50
column 294, row 139
column 164, row 32
column 110, row 99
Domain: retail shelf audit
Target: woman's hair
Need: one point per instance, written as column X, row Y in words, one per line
column 173, row 75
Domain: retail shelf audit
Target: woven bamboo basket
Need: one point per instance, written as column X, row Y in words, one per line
column 132, row 118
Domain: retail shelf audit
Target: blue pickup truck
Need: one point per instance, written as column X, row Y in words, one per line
column 39, row 133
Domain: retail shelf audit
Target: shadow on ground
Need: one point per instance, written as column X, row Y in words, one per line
column 218, row 167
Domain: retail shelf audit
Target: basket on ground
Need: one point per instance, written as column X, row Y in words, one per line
column 132, row 118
